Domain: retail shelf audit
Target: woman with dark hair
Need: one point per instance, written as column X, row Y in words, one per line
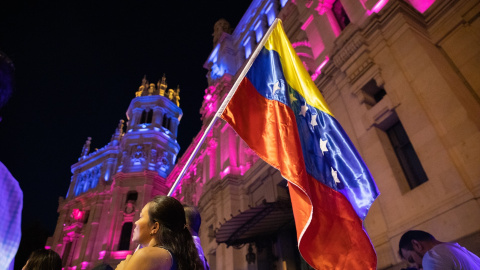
column 166, row 240
column 43, row 259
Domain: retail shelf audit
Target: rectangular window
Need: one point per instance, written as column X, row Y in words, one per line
column 408, row 159
column 340, row 14
column 372, row 93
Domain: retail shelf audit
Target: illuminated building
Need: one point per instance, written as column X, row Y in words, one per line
column 402, row 79
column 400, row 76
column 110, row 185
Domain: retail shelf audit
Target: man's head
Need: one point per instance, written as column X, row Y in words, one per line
column 413, row 245
column 193, row 219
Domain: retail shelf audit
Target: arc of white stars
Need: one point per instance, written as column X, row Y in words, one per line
column 323, row 148
column 303, row 109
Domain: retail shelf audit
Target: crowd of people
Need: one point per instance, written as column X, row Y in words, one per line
column 166, row 233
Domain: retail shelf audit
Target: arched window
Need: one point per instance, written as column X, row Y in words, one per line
column 124, row 243
column 149, row 116
column 166, row 122
column 144, row 117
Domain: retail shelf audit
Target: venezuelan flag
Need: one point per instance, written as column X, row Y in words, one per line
column 279, row 112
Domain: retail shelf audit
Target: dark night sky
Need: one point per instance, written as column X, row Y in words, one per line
column 78, row 65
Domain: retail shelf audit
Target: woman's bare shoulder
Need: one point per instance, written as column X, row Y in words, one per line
column 151, row 258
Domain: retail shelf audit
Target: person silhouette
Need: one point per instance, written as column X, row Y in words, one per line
column 421, row 250
column 193, row 223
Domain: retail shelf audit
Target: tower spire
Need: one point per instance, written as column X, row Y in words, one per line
column 162, row 85
column 86, row 147
column 151, row 89
column 177, row 96
column 144, row 82
column 143, row 87
column 118, row 133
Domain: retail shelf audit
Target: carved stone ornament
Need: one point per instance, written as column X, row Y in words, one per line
column 138, row 156
column 129, row 208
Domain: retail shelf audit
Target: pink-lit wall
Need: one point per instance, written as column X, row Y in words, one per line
column 223, row 154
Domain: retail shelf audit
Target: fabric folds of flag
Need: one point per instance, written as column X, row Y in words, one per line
column 278, row 111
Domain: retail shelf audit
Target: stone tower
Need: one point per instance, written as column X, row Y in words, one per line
column 110, row 186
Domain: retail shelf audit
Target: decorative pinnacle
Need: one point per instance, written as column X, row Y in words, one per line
column 162, row 86
column 148, row 89
column 86, row 147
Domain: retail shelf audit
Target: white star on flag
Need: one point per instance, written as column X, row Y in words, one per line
column 314, row 120
column 323, row 145
column 303, row 109
column 335, row 176
column 276, row 86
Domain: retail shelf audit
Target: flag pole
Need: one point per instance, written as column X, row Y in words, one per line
column 246, row 68
column 190, row 159
column 227, row 99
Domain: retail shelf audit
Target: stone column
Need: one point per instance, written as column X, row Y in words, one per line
column 174, row 126
column 325, row 30
column 109, row 169
column 157, row 116
column 137, row 112
column 355, row 11
column 73, row 183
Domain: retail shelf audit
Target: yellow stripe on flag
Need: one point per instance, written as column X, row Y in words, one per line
column 295, row 73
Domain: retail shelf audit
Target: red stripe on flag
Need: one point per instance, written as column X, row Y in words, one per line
column 270, row 130
column 334, row 238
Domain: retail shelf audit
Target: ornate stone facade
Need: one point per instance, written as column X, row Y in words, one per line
column 110, row 186
column 388, row 70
